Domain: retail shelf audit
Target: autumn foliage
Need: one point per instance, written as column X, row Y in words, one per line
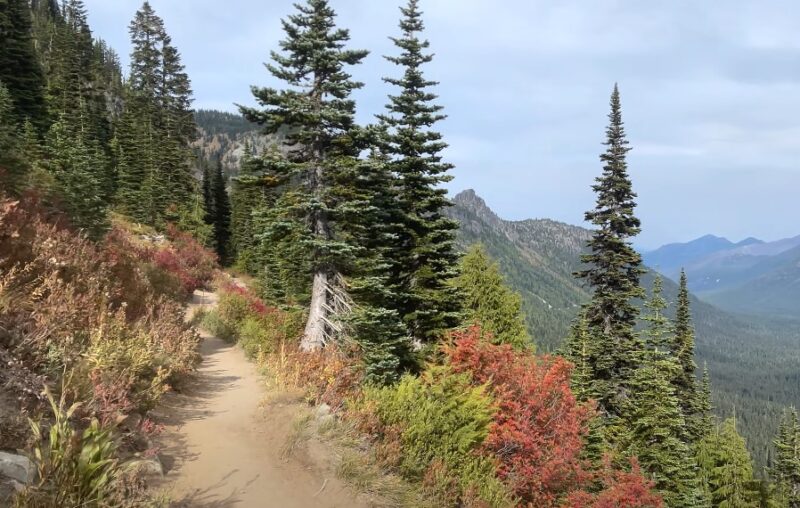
column 538, row 429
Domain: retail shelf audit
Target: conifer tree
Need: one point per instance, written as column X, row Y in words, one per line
column 208, row 194
column 20, row 70
column 683, row 350
column 657, row 332
column 726, row 468
column 155, row 181
column 613, row 272
column 222, row 215
column 12, row 165
column 704, row 420
column 424, row 258
column 786, row 469
column 247, row 196
column 316, row 107
column 489, row 301
column 656, row 432
column 73, row 162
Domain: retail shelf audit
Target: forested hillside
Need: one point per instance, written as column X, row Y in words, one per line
column 754, row 363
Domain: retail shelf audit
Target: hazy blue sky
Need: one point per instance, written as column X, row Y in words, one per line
column 710, row 91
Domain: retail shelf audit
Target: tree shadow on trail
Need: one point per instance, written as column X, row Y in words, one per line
column 209, row 497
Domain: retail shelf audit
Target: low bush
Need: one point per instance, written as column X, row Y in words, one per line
column 91, row 311
column 441, row 421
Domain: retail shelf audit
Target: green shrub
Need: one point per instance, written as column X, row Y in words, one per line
column 233, row 308
column 255, row 338
column 443, row 420
column 214, row 324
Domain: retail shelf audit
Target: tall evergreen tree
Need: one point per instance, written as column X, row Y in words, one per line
column 316, row 107
column 20, row 70
column 786, row 469
column 247, row 196
column 726, row 468
column 222, row 215
column 156, row 182
column 208, row 193
column 704, row 422
column 489, row 301
column 424, row 258
column 683, row 349
column 613, row 272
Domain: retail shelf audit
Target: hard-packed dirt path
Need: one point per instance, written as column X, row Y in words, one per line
column 222, row 448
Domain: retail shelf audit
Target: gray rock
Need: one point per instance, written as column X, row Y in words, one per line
column 322, row 411
column 17, row 467
column 151, row 466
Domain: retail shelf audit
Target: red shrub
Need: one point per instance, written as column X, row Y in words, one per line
column 621, row 489
column 538, row 431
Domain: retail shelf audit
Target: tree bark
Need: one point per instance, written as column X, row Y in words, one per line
column 314, row 336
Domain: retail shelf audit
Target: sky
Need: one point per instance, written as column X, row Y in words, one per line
column 710, row 96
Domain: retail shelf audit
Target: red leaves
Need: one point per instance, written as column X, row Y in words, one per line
column 621, row 489
column 537, row 432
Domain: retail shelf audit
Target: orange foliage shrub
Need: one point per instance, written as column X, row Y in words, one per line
column 68, row 305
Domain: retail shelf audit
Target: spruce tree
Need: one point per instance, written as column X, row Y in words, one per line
column 683, row 349
column 316, row 107
column 613, row 271
column 657, row 429
column 247, row 196
column 726, row 468
column 73, row 162
column 424, row 257
column 222, row 215
column 489, row 301
column 704, row 419
column 657, row 333
column 20, row 70
column 13, row 168
column 208, row 194
column 156, row 182
column 786, row 469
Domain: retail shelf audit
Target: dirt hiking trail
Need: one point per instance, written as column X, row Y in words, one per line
column 221, row 446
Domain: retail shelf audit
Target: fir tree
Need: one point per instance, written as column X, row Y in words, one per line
column 208, row 194
column 489, row 301
column 247, row 196
column 683, row 349
column 613, row 273
column 316, row 107
column 156, row 183
column 73, row 162
column 12, row 166
column 786, row 469
column 424, row 258
column 704, row 419
column 20, row 70
column 657, row 332
column 726, row 468
column 222, row 215
column 657, row 430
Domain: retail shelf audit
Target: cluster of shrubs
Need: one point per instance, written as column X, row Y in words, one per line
column 241, row 316
column 102, row 321
column 486, row 426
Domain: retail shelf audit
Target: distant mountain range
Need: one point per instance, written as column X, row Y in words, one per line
column 750, row 277
column 754, row 362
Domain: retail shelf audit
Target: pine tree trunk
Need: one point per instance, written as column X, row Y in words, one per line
column 314, row 336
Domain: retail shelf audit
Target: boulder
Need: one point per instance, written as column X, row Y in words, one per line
column 17, row 467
